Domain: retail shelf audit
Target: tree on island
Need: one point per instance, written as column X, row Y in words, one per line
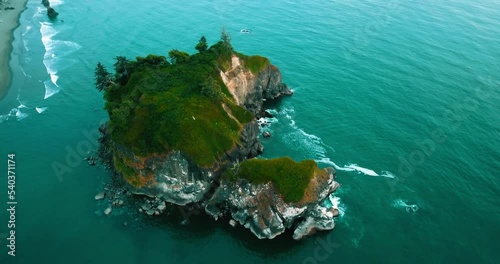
column 202, row 45
column 152, row 60
column 226, row 40
column 101, row 77
column 122, row 66
column 224, row 36
column 211, row 89
column 177, row 56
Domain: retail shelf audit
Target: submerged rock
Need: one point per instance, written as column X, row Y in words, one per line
column 100, row 196
column 162, row 206
column 107, row 211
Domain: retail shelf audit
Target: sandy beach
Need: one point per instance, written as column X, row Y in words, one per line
column 8, row 22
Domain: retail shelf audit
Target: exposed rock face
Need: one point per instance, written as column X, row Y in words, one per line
column 51, row 12
column 262, row 210
column 176, row 179
column 250, row 90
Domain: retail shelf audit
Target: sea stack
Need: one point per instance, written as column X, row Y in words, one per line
column 51, row 13
column 185, row 132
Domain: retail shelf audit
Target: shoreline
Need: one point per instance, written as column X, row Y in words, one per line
column 9, row 22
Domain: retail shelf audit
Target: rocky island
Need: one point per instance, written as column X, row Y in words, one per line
column 184, row 130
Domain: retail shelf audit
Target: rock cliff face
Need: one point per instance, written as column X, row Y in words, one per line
column 176, row 179
column 262, row 210
column 251, row 90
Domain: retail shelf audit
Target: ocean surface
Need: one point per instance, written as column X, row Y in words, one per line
column 401, row 97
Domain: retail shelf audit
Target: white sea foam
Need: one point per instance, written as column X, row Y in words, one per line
column 337, row 204
column 50, row 88
column 20, row 115
column 388, row 174
column 355, row 168
column 272, row 111
column 25, row 43
column 21, row 106
column 26, row 75
column 55, row 50
column 41, row 10
column 54, row 3
column 362, row 170
column 300, row 138
column 267, row 121
column 40, row 109
column 410, row 208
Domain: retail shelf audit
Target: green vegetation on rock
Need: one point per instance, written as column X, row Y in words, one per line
column 157, row 106
column 255, row 63
column 291, row 178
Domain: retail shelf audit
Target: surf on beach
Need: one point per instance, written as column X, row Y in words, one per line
column 10, row 11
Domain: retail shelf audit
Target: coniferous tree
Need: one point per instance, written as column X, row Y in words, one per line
column 101, row 77
column 177, row 56
column 226, row 41
column 122, row 69
column 202, row 45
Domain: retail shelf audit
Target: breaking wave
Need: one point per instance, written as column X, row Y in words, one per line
column 335, row 201
column 40, row 109
column 410, row 208
column 14, row 114
column 355, row 168
column 312, row 144
column 55, row 51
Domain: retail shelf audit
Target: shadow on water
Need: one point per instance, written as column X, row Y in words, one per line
column 200, row 230
column 274, row 103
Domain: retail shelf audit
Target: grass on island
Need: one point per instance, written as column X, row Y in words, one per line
column 255, row 63
column 291, row 178
column 156, row 106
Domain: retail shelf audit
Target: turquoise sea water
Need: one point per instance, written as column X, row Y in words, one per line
column 402, row 97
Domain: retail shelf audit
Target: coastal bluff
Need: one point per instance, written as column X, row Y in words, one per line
column 184, row 131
